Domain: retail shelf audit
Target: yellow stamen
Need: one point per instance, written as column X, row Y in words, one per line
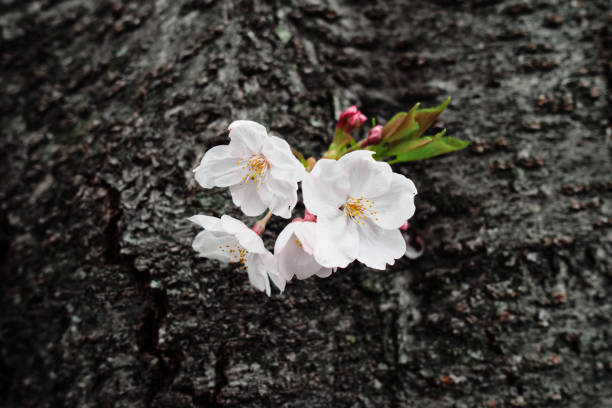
column 256, row 168
column 236, row 254
column 358, row 210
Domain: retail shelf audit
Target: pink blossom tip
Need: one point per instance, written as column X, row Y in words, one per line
column 351, row 119
column 374, row 137
column 404, row 226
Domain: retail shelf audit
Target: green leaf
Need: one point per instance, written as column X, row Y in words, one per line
column 408, row 146
column 405, row 133
column 426, row 117
column 393, row 124
column 440, row 145
column 399, row 124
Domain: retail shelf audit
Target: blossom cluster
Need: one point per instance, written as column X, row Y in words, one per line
column 355, row 205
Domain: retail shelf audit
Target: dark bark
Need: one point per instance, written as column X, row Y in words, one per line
column 107, row 106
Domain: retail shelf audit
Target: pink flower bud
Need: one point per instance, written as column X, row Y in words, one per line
column 374, row 137
column 351, row 119
column 404, row 226
column 356, row 121
column 348, row 112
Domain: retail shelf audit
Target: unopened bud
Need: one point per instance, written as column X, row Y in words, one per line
column 374, row 137
column 404, row 226
column 355, row 121
column 348, row 112
column 351, row 119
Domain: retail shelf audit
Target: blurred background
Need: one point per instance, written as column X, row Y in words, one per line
column 107, row 106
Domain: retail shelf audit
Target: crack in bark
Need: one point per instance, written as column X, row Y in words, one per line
column 221, row 379
column 211, row 400
column 155, row 300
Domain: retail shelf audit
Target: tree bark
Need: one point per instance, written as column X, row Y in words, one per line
column 107, row 106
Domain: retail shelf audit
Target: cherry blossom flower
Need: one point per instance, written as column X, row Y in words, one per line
column 360, row 205
column 260, row 170
column 227, row 239
column 293, row 252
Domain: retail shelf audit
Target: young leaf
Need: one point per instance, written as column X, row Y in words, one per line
column 393, row 124
column 426, row 117
column 398, row 124
column 408, row 146
column 436, row 147
column 407, row 132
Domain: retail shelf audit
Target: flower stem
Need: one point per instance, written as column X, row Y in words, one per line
column 351, row 149
column 300, row 157
column 260, row 225
column 310, row 163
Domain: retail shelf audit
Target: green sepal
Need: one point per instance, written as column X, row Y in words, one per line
column 440, row 145
column 341, row 139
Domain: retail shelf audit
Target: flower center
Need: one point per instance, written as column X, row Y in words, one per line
column 359, row 209
column 256, row 168
column 235, row 253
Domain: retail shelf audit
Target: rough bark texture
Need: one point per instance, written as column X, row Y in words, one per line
column 107, row 106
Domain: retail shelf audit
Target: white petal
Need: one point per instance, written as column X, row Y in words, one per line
column 283, row 238
column 207, row 244
column 232, row 225
column 396, row 205
column 279, row 196
column 306, row 233
column 246, row 237
column 291, row 259
column 270, row 264
column 249, row 134
column 261, row 268
column 286, row 253
column 258, row 275
column 283, row 164
column 218, row 168
column 325, row 188
column 378, row 247
column 367, row 176
column 311, row 268
column 245, row 196
column 207, row 222
column 325, row 272
column 337, row 241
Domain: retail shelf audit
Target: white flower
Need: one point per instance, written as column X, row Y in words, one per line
column 227, row 239
column 293, row 252
column 360, row 205
column 260, row 170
